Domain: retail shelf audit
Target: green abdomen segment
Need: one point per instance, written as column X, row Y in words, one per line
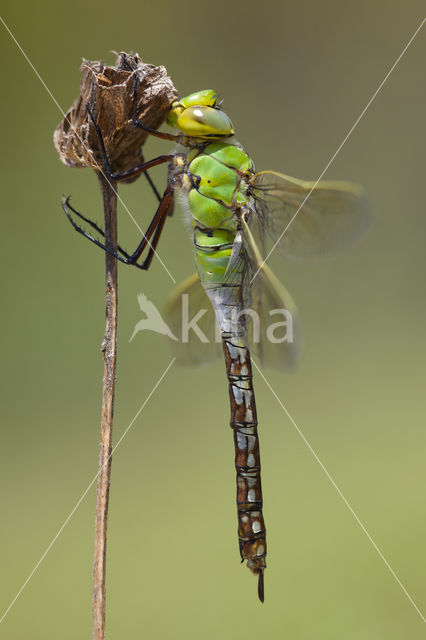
column 213, row 249
column 251, row 526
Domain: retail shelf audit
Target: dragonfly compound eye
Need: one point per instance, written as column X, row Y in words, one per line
column 204, row 122
column 198, row 115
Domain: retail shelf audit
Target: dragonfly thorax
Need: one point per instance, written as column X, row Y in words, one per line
column 217, row 183
column 214, row 181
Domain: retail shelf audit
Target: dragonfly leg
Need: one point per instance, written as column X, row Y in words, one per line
column 154, row 230
column 129, row 173
column 66, row 205
column 139, row 123
column 165, row 209
column 152, row 185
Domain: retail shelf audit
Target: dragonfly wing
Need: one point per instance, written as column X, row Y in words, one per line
column 308, row 219
column 186, row 302
column 272, row 330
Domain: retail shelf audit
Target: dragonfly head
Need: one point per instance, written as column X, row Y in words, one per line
column 199, row 116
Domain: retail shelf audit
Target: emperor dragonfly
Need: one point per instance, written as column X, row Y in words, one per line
column 233, row 210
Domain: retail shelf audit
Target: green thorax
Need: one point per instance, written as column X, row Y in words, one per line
column 217, row 177
column 217, row 181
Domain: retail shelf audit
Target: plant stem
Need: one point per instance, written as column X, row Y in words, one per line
column 109, row 350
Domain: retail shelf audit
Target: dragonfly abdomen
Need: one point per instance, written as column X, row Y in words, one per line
column 251, row 526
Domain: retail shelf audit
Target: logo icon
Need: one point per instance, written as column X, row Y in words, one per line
column 153, row 320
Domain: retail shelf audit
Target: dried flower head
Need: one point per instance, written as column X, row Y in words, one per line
column 109, row 93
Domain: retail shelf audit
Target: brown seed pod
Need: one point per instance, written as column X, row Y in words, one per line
column 109, row 93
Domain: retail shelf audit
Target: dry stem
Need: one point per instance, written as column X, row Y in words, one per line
column 109, row 349
column 109, row 92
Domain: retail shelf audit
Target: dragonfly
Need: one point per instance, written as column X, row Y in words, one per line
column 236, row 213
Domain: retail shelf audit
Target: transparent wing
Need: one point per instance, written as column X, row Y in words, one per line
column 307, row 219
column 183, row 305
column 272, row 329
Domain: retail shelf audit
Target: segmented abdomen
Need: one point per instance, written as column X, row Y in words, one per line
column 251, row 527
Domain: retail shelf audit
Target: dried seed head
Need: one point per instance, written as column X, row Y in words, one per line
column 109, row 93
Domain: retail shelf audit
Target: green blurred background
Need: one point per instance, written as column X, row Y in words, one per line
column 294, row 77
